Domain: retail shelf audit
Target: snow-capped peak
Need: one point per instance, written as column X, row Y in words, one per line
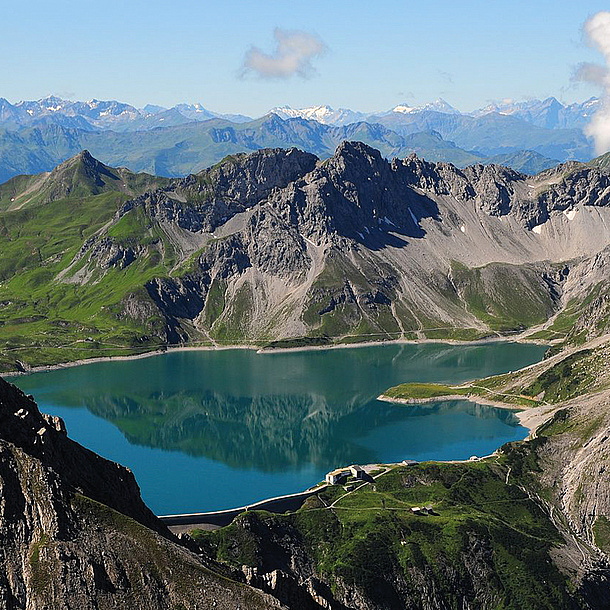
column 322, row 114
column 439, row 105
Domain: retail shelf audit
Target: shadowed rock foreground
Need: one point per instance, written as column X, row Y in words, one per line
column 76, row 534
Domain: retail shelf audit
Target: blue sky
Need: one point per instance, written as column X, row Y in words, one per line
column 378, row 53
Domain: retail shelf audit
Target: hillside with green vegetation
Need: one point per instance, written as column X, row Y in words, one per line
column 279, row 249
column 458, row 531
column 42, row 320
column 80, row 177
column 525, row 528
column 564, row 376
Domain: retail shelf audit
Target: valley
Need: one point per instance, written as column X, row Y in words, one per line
column 305, row 306
column 279, row 249
column 217, row 429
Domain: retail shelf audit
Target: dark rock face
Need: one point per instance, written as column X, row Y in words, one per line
column 163, row 208
column 588, row 186
column 107, row 253
column 215, row 195
column 494, row 187
column 275, row 247
column 354, row 194
column 44, row 439
column 75, row 533
column 291, row 230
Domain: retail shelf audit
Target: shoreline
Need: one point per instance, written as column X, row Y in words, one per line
column 261, row 350
column 478, row 400
column 529, row 417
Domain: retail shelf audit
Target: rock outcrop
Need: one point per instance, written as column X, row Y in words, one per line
column 76, row 534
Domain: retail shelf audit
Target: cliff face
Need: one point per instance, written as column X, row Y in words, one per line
column 76, row 534
column 278, row 245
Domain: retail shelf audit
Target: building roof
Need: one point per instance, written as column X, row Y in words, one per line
column 338, row 471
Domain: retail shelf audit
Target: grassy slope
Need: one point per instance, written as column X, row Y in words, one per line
column 44, row 321
column 563, row 377
column 371, row 538
column 506, row 297
column 78, row 178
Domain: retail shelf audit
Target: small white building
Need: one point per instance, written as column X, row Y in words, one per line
column 356, row 471
column 336, row 477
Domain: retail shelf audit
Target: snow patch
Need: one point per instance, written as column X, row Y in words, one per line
column 537, row 229
column 404, row 109
column 570, row 214
column 413, row 217
column 463, row 229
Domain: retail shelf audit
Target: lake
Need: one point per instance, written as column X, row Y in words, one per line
column 206, row 430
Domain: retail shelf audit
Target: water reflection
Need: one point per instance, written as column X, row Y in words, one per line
column 271, row 432
column 274, row 411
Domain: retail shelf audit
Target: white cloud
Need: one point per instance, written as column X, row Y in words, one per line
column 293, row 55
column 590, row 73
column 597, row 31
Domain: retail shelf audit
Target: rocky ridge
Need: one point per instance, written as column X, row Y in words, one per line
column 378, row 238
column 281, row 246
column 76, row 534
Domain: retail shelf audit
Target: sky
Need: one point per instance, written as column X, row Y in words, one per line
column 247, row 56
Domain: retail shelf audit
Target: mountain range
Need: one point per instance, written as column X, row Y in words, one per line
column 279, row 245
column 118, row 116
column 279, row 248
column 549, row 113
column 530, row 137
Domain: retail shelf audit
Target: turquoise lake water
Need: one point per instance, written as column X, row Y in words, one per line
column 205, row 430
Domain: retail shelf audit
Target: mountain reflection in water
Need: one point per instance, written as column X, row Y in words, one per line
column 252, row 425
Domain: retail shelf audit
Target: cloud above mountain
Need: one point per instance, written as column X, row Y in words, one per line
column 597, row 32
column 293, row 55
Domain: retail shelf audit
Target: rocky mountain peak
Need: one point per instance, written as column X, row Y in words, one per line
column 354, row 149
column 44, row 438
column 250, row 178
column 85, row 161
column 356, row 162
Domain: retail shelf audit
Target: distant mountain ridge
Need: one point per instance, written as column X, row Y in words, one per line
column 111, row 114
column 533, row 136
column 96, row 115
column 178, row 150
column 548, row 113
